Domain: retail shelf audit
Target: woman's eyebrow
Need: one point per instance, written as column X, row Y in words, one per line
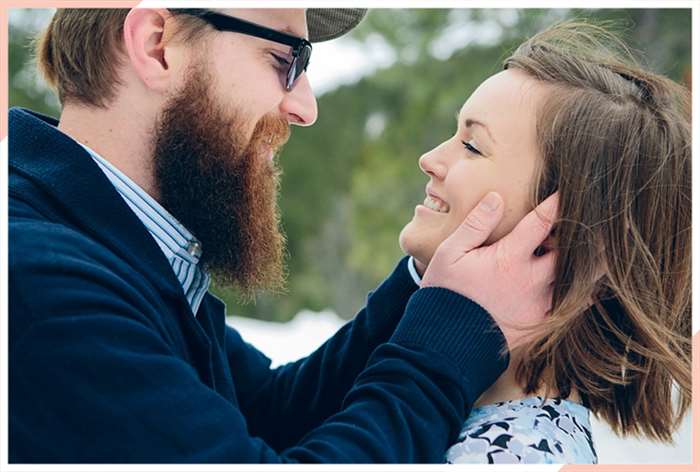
column 469, row 122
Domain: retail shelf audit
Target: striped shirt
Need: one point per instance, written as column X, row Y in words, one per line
column 179, row 246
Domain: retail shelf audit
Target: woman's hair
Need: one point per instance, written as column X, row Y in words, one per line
column 615, row 143
column 81, row 49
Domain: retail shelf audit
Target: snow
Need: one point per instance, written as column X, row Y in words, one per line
column 285, row 342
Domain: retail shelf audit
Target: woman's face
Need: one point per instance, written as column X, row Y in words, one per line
column 494, row 148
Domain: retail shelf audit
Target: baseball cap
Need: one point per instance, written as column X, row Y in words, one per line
column 330, row 23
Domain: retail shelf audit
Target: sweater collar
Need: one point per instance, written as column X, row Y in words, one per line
column 64, row 170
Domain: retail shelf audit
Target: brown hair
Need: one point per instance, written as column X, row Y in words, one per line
column 615, row 142
column 81, row 50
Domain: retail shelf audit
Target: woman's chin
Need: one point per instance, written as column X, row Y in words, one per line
column 413, row 245
column 407, row 239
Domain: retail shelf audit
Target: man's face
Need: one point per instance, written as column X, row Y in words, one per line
column 247, row 72
column 213, row 151
column 214, row 144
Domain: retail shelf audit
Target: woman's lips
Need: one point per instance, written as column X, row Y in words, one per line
column 436, row 204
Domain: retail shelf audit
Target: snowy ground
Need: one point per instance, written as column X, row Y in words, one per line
column 284, row 342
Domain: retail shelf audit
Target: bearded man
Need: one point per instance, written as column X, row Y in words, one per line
column 159, row 175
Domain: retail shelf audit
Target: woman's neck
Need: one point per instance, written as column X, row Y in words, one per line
column 506, row 388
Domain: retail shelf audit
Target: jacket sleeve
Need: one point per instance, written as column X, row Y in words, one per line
column 93, row 380
column 283, row 404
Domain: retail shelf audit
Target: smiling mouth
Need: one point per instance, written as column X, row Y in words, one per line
column 436, row 204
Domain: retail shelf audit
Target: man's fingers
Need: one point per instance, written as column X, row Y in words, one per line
column 534, row 228
column 478, row 224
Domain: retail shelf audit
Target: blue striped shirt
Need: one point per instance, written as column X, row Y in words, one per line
column 179, row 246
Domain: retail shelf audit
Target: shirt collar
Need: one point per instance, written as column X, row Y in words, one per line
column 182, row 249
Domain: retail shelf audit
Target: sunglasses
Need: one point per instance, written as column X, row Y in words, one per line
column 301, row 48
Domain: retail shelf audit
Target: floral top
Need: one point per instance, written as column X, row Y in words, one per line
column 526, row 431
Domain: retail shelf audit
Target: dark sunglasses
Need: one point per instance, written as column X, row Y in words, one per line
column 301, row 48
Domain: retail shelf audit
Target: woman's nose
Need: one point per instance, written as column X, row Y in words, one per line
column 431, row 164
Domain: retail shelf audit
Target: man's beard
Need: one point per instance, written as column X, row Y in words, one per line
column 220, row 185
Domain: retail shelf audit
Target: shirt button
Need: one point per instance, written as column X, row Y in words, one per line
column 194, row 249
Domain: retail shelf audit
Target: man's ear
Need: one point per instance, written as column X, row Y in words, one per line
column 145, row 34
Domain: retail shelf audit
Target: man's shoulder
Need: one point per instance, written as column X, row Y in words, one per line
column 52, row 256
column 59, row 272
column 32, row 209
column 42, row 232
column 35, row 237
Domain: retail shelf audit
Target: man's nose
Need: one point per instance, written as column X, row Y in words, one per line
column 299, row 104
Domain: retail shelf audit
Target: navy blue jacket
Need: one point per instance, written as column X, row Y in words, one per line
column 108, row 364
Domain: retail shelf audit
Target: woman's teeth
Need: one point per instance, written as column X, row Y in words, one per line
column 436, row 205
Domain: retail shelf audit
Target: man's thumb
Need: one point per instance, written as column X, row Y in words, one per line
column 479, row 223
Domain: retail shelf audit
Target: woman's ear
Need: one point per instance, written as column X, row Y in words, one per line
column 548, row 244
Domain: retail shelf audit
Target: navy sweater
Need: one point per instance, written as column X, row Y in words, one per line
column 108, row 364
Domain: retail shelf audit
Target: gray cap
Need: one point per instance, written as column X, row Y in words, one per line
column 329, row 23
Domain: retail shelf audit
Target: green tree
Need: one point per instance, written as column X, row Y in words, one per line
column 25, row 87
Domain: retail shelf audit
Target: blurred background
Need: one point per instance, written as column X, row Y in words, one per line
column 387, row 93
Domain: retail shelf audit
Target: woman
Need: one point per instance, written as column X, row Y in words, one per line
column 571, row 112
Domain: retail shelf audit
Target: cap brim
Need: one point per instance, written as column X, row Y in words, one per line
column 330, row 23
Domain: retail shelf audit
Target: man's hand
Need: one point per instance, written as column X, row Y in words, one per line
column 506, row 278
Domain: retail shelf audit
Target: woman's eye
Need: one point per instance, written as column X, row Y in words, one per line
column 469, row 147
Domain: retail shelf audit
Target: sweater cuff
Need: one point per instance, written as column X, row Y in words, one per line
column 387, row 303
column 445, row 322
column 412, row 270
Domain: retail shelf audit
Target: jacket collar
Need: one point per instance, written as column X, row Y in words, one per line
column 63, row 169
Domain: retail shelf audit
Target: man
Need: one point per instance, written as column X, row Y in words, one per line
column 158, row 176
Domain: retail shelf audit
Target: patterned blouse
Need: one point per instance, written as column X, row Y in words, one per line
column 526, row 431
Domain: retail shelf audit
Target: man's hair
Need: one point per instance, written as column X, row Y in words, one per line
column 81, row 50
column 615, row 143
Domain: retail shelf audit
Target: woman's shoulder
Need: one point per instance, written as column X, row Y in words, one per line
column 528, row 430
